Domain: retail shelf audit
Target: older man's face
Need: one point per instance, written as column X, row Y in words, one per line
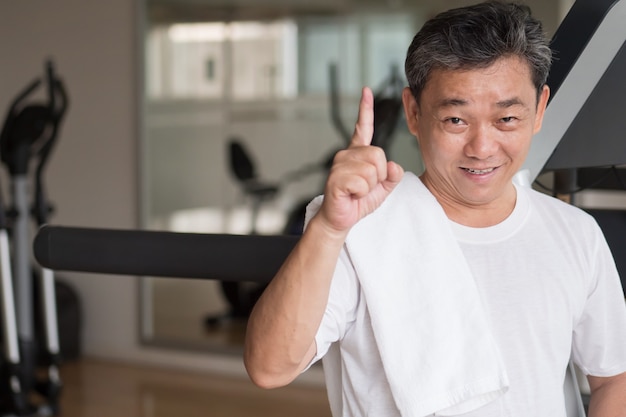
column 474, row 128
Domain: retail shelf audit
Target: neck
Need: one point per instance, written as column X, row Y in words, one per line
column 476, row 215
column 479, row 216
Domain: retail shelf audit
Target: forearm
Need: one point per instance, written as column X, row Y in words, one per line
column 280, row 339
column 608, row 399
column 282, row 327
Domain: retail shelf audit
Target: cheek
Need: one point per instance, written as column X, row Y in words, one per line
column 517, row 148
column 429, row 136
column 440, row 155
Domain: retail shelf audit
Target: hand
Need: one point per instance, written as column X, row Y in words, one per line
column 361, row 177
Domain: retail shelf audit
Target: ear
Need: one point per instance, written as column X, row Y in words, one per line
column 541, row 108
column 411, row 111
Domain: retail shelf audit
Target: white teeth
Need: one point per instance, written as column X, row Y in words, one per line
column 478, row 171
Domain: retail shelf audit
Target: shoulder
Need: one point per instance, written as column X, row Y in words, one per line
column 556, row 213
column 544, row 202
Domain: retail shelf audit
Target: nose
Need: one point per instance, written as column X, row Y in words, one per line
column 481, row 143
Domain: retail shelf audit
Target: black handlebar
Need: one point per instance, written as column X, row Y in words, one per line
column 162, row 254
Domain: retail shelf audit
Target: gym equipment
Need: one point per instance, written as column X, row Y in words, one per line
column 14, row 397
column 584, row 121
column 387, row 107
column 30, row 132
column 236, row 258
column 244, row 170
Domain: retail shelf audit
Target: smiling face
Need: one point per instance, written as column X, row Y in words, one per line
column 474, row 128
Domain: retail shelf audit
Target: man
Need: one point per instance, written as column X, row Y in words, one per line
column 497, row 287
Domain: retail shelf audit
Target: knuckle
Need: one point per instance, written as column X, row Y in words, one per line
column 378, row 152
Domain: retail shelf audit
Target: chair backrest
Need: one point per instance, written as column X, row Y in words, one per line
column 241, row 163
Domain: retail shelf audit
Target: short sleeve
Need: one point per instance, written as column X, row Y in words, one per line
column 599, row 345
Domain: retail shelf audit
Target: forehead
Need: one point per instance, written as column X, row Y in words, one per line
column 505, row 79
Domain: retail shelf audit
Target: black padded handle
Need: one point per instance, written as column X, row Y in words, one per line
column 162, row 254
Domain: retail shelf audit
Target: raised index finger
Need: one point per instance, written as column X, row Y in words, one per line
column 364, row 129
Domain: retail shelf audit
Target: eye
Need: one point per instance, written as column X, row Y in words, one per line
column 508, row 119
column 454, row 124
column 454, row 120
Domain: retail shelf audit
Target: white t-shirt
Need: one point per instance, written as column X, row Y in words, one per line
column 550, row 288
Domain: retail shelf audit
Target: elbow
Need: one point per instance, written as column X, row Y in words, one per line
column 266, row 381
column 263, row 376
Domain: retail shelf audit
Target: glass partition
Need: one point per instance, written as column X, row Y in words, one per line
column 265, row 83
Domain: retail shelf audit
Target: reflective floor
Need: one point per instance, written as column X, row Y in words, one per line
column 102, row 389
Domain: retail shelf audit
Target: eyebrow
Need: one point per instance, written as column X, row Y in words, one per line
column 515, row 101
column 453, row 102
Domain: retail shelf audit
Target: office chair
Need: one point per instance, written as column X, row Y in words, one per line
column 243, row 168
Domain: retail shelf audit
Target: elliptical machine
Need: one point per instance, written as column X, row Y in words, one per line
column 29, row 132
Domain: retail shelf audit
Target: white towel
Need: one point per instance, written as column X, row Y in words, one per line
column 434, row 339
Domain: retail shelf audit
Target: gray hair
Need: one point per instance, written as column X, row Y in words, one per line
column 475, row 37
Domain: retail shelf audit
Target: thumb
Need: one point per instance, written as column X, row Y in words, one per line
column 395, row 173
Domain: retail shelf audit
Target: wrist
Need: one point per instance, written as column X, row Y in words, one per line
column 323, row 231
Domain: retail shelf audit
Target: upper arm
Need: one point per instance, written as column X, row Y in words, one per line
column 599, row 382
column 607, row 396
